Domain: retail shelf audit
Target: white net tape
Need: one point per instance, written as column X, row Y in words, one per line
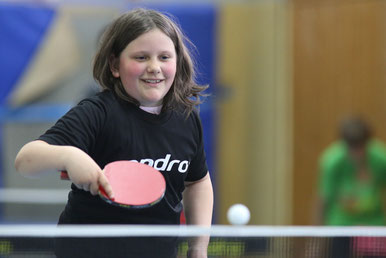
column 186, row 231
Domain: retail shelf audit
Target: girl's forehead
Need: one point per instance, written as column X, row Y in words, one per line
column 154, row 38
column 155, row 32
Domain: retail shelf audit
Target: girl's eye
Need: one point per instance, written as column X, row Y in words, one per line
column 140, row 58
column 164, row 58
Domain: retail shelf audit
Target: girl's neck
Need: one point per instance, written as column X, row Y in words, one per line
column 153, row 110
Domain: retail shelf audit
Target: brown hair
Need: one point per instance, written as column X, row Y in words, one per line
column 355, row 132
column 184, row 92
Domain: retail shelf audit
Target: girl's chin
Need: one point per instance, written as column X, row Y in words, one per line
column 151, row 102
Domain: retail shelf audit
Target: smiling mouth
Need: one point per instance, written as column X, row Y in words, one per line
column 152, row 81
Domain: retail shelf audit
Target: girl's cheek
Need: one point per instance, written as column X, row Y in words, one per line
column 170, row 69
column 134, row 68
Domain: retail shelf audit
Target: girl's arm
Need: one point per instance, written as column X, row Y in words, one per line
column 38, row 156
column 198, row 208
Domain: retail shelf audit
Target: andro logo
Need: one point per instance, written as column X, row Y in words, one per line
column 165, row 164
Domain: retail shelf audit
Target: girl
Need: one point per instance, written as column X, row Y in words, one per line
column 145, row 112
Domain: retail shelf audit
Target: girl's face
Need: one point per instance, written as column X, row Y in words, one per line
column 147, row 67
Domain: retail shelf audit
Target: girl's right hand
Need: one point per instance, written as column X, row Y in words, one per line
column 38, row 156
column 85, row 173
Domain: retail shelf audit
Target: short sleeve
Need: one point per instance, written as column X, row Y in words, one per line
column 329, row 172
column 377, row 151
column 198, row 166
column 79, row 127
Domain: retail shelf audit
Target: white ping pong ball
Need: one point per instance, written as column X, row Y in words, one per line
column 238, row 214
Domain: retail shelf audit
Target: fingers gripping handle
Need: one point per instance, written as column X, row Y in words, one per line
column 64, row 176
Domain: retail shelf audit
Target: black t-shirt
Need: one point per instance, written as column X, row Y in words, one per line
column 110, row 129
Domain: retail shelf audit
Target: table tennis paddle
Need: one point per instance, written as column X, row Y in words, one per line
column 135, row 185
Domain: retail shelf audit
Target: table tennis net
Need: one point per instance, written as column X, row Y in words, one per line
column 173, row 241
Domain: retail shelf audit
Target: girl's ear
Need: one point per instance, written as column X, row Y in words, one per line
column 114, row 66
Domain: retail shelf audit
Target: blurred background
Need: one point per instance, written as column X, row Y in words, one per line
column 282, row 75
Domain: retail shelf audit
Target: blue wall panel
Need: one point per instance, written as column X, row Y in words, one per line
column 22, row 30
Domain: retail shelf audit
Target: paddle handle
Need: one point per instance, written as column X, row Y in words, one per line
column 64, row 175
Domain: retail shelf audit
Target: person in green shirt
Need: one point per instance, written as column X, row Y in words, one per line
column 352, row 183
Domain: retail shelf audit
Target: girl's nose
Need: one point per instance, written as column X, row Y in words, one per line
column 153, row 67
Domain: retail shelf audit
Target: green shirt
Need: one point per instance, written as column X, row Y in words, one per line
column 349, row 200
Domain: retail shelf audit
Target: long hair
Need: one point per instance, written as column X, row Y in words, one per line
column 184, row 93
